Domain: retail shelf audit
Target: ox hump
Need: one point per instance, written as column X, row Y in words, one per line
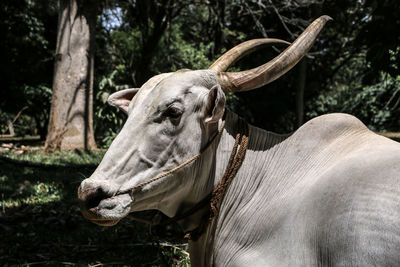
column 333, row 125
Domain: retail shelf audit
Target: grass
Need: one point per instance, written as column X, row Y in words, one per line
column 74, row 157
column 41, row 224
column 38, row 193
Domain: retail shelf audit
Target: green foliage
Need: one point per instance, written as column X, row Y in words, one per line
column 28, row 30
column 77, row 157
column 178, row 53
column 4, row 118
column 36, row 95
column 38, row 99
column 125, row 44
column 108, row 120
column 23, row 126
column 176, row 256
column 37, row 193
column 376, row 105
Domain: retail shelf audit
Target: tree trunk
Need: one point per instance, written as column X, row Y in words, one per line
column 300, row 92
column 71, row 114
column 10, row 128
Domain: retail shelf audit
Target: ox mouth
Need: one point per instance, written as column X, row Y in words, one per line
column 107, row 211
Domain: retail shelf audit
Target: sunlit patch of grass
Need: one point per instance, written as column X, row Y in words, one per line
column 37, row 193
column 22, row 185
column 176, row 256
column 59, row 157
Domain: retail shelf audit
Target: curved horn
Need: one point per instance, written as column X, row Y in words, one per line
column 241, row 50
column 272, row 70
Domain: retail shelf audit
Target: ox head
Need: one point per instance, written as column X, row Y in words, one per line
column 172, row 118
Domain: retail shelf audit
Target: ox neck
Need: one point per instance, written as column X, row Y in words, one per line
column 211, row 168
column 220, row 158
column 209, row 175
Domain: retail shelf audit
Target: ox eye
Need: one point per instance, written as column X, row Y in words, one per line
column 173, row 112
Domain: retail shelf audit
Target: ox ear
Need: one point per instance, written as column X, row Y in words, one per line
column 215, row 104
column 122, row 99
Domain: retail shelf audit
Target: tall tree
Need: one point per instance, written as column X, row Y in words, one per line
column 71, row 115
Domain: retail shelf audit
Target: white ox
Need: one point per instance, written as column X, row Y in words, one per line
column 327, row 195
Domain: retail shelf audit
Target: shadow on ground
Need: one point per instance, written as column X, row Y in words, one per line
column 40, row 224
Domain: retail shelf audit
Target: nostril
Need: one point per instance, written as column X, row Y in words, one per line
column 94, row 199
column 91, row 198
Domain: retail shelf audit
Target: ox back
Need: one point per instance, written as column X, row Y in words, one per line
column 328, row 195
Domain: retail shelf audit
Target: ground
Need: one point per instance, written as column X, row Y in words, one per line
column 41, row 224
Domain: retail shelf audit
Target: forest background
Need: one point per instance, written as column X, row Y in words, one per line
column 352, row 68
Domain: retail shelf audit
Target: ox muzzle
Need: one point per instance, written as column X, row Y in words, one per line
column 100, row 204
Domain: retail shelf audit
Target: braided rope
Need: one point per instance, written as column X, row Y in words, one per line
column 235, row 161
column 162, row 175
